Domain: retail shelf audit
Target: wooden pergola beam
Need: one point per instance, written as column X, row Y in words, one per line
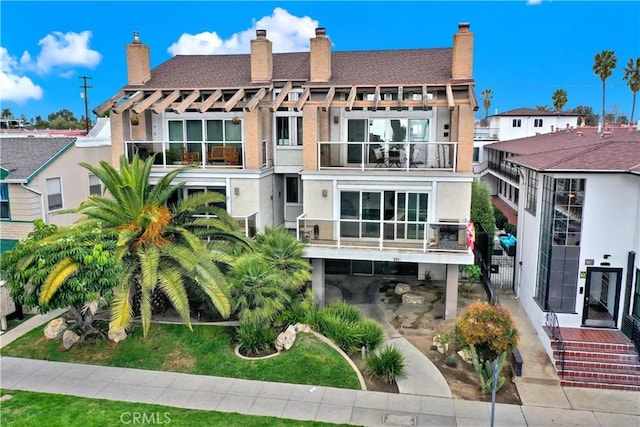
column 128, row 102
column 400, row 97
column 472, row 98
column 303, row 98
column 228, row 106
column 327, row 100
column 376, row 98
column 100, row 109
column 283, row 95
column 450, row 97
column 425, row 97
column 166, row 101
column 146, row 103
column 255, row 100
column 207, row 103
column 187, row 101
column 351, row 98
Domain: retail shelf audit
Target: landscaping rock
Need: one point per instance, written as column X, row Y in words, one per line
column 69, row 338
column 286, row 339
column 412, row 299
column 465, row 355
column 302, row 328
column 55, row 328
column 117, row 334
column 402, row 288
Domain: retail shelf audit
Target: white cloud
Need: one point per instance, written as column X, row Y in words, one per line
column 14, row 87
column 63, row 50
column 288, row 33
column 533, row 2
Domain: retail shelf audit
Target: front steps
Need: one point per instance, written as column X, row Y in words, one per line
column 606, row 364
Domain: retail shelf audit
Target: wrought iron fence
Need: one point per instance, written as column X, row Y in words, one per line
column 551, row 321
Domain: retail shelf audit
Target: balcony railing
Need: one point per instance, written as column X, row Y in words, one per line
column 388, row 156
column 486, row 134
column 204, row 154
column 246, row 223
column 505, row 170
column 416, row 236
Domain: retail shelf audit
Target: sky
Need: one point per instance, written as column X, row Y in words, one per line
column 524, row 50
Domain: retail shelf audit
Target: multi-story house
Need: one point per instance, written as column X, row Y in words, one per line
column 40, row 176
column 575, row 269
column 365, row 155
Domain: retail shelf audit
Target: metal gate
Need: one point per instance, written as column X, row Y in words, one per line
column 502, row 268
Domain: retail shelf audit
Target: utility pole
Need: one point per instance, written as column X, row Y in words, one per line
column 84, row 86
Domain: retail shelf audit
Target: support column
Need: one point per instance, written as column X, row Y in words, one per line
column 317, row 282
column 451, row 292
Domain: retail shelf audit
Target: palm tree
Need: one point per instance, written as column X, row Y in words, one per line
column 160, row 246
column 487, row 94
column 283, row 254
column 604, row 63
column 632, row 76
column 559, row 99
column 6, row 113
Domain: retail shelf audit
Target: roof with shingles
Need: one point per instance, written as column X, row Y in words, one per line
column 22, row 157
column 533, row 112
column 576, row 150
column 348, row 68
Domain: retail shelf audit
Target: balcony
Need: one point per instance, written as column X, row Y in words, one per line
column 246, row 223
column 505, row 170
column 486, row 134
column 418, row 237
column 203, row 154
column 440, row 156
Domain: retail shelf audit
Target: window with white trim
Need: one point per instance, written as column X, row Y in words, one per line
column 288, row 121
column 4, row 202
column 54, row 194
column 516, row 123
column 537, row 123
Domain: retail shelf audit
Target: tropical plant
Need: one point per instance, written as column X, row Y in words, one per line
column 482, row 208
column 486, row 372
column 543, row 108
column 160, row 246
column 302, row 309
column 604, row 63
column 370, row 332
column 255, row 338
column 64, row 267
column 472, row 272
column 387, row 364
column 6, row 113
column 632, row 76
column 487, row 95
column 559, row 99
column 489, row 328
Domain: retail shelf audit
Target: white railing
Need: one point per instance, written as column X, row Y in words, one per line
column 204, row 154
column 486, row 134
column 388, row 155
column 418, row 236
column 247, row 223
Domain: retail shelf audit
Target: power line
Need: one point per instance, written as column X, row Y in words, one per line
column 84, row 86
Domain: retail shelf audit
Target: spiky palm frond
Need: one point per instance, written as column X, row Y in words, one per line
column 172, row 285
column 149, row 257
column 121, row 308
column 56, row 278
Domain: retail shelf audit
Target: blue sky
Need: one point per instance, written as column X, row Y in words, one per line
column 524, row 50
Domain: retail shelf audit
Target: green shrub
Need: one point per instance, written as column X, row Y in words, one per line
column 386, row 364
column 255, row 338
column 345, row 335
column 343, row 311
column 370, row 332
column 451, row 361
column 500, row 217
column 511, row 229
column 302, row 310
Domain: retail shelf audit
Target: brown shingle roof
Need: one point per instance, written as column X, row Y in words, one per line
column 576, row 150
column 536, row 113
column 392, row 67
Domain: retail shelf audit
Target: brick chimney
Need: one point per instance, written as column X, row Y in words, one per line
column 261, row 58
column 320, row 57
column 462, row 64
column 138, row 62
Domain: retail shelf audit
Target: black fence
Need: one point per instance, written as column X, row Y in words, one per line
column 482, row 251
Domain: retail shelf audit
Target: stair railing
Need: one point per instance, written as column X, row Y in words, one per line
column 552, row 323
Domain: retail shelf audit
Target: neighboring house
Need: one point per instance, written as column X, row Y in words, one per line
column 40, row 176
column 365, row 155
column 578, row 204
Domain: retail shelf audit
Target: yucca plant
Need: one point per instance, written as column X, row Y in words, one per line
column 387, row 364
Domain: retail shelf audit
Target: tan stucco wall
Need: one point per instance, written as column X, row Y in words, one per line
column 453, row 200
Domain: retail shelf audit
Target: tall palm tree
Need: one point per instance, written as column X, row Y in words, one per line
column 559, row 99
column 6, row 113
column 487, row 94
column 604, row 63
column 632, row 76
column 160, row 246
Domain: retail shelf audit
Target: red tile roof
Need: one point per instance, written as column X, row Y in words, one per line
column 375, row 67
column 577, row 150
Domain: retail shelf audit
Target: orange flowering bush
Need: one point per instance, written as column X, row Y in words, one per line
column 489, row 328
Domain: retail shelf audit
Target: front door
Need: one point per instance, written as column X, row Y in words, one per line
column 602, row 297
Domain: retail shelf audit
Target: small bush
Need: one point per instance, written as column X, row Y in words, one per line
column 489, row 328
column 345, row 335
column 343, row 311
column 500, row 217
column 451, row 362
column 255, row 338
column 371, row 334
column 387, row 364
column 302, row 310
column 511, row 229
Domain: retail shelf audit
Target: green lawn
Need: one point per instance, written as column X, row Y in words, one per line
column 208, row 350
column 29, row 409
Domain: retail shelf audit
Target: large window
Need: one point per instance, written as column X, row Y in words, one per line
column 54, row 194
column 387, row 133
column 537, row 123
column 95, row 186
column 288, row 122
column 516, row 123
column 532, row 192
column 4, row 202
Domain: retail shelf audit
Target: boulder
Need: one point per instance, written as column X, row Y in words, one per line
column 55, row 328
column 465, row 355
column 117, row 334
column 286, row 339
column 410, row 298
column 69, row 338
column 302, row 328
column 402, row 288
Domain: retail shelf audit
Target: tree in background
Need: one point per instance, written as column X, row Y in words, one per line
column 543, row 108
column 632, row 77
column 6, row 114
column 604, row 63
column 482, row 208
column 559, row 99
column 591, row 119
column 487, row 94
